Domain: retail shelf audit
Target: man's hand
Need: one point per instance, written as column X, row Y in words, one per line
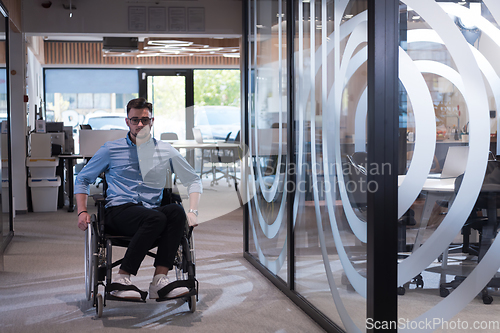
column 83, row 221
column 192, row 219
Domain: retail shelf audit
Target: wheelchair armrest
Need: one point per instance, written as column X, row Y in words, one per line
column 98, row 198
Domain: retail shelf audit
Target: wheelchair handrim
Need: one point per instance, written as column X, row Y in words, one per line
column 89, row 267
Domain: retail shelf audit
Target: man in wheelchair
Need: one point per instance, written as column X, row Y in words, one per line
column 135, row 169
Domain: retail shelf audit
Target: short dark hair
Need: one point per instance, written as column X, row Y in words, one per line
column 139, row 103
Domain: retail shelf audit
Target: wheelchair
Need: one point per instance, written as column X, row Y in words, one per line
column 99, row 262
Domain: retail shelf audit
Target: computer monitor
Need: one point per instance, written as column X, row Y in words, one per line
column 197, row 135
column 455, row 162
column 54, row 127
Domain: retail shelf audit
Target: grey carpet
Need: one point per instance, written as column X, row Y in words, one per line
column 42, row 286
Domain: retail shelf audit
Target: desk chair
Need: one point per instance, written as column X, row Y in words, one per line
column 435, row 168
column 227, row 157
column 205, row 153
column 169, row 136
column 487, row 226
column 357, row 174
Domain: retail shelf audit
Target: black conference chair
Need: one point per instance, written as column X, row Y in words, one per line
column 487, row 226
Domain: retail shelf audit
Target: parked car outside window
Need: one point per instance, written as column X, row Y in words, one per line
column 215, row 122
column 104, row 120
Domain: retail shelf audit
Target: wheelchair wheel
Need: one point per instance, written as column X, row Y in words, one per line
column 192, row 303
column 90, row 249
column 180, row 264
column 99, row 306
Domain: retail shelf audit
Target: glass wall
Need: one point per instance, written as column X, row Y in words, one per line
column 217, row 106
column 267, row 119
column 330, row 135
column 168, row 95
column 97, row 97
column 6, row 213
column 329, row 152
column 448, row 175
column 449, row 96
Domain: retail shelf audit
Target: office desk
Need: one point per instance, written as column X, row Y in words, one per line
column 434, row 188
column 192, row 144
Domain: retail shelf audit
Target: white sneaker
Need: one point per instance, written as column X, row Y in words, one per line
column 161, row 282
column 127, row 294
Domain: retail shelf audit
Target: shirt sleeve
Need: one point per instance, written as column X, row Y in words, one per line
column 97, row 164
column 186, row 173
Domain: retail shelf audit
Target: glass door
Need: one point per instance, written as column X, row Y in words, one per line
column 6, row 211
column 170, row 92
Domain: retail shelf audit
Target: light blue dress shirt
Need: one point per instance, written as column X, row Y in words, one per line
column 136, row 174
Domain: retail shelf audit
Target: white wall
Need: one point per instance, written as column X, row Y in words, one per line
column 34, row 81
column 222, row 17
column 17, row 63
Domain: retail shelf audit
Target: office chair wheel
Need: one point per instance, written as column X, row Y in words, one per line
column 443, row 292
column 487, row 299
column 401, row 291
column 418, row 281
column 192, row 303
column 344, row 280
column 99, row 305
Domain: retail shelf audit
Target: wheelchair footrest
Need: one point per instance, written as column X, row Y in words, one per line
column 110, row 297
column 190, row 284
column 119, row 287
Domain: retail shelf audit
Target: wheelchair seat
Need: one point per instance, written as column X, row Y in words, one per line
column 99, row 263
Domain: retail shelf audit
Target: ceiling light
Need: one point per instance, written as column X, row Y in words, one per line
column 231, row 55
column 168, row 43
column 148, row 55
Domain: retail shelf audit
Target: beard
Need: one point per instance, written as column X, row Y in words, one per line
column 143, row 135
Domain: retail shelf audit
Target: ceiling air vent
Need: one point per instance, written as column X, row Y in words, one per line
column 120, row 44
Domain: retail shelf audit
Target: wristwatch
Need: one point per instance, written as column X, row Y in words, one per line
column 195, row 212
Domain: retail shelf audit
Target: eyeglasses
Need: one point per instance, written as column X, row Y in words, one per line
column 144, row 121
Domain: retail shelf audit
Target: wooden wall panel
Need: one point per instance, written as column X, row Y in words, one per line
column 90, row 53
column 2, row 53
column 14, row 9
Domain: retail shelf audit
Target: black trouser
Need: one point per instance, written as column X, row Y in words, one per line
column 145, row 225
